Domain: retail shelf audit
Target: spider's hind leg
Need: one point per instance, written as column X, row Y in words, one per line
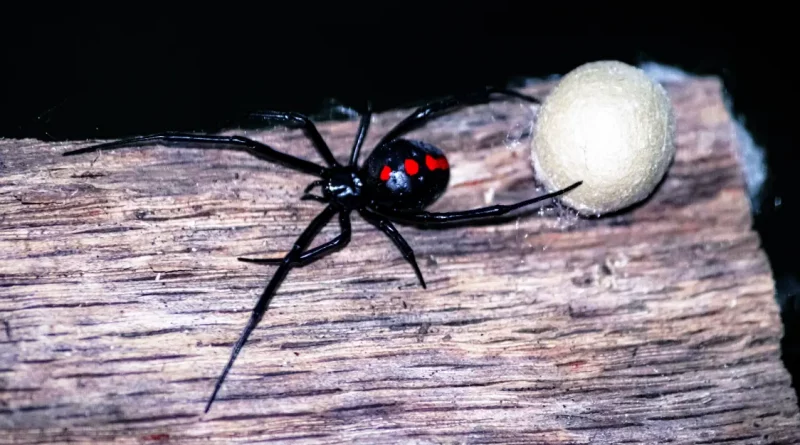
column 428, row 218
column 436, row 108
column 388, row 228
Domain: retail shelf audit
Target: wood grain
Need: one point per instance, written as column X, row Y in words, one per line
column 121, row 296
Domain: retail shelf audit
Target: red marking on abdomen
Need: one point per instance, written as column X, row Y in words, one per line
column 385, row 173
column 412, row 168
column 433, row 163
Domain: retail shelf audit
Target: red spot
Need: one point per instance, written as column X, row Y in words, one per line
column 412, row 168
column 385, row 173
column 156, row 437
column 433, row 163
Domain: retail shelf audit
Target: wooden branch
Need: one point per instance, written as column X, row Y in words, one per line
column 121, row 296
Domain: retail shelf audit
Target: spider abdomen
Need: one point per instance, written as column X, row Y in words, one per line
column 406, row 174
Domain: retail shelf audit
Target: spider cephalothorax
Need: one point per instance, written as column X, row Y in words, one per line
column 397, row 181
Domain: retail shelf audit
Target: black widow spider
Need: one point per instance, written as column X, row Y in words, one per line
column 397, row 181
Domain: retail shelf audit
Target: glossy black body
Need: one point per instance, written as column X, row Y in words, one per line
column 397, row 181
column 405, row 189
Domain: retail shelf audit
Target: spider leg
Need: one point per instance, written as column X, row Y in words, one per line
column 309, row 196
column 388, row 228
column 422, row 217
column 363, row 126
column 435, row 108
column 239, row 143
column 306, row 195
column 296, row 119
column 263, row 302
column 316, row 253
column 317, row 183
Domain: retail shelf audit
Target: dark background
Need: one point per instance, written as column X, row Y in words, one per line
column 80, row 71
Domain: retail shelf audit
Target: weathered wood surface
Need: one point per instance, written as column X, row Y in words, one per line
column 121, row 295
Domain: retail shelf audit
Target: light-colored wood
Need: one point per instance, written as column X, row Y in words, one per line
column 121, row 296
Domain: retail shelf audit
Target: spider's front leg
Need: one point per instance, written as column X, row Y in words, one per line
column 292, row 119
column 363, row 126
column 187, row 140
column 428, row 218
column 261, row 306
column 308, row 196
column 316, row 253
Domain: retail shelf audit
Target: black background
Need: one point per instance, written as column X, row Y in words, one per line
column 107, row 70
